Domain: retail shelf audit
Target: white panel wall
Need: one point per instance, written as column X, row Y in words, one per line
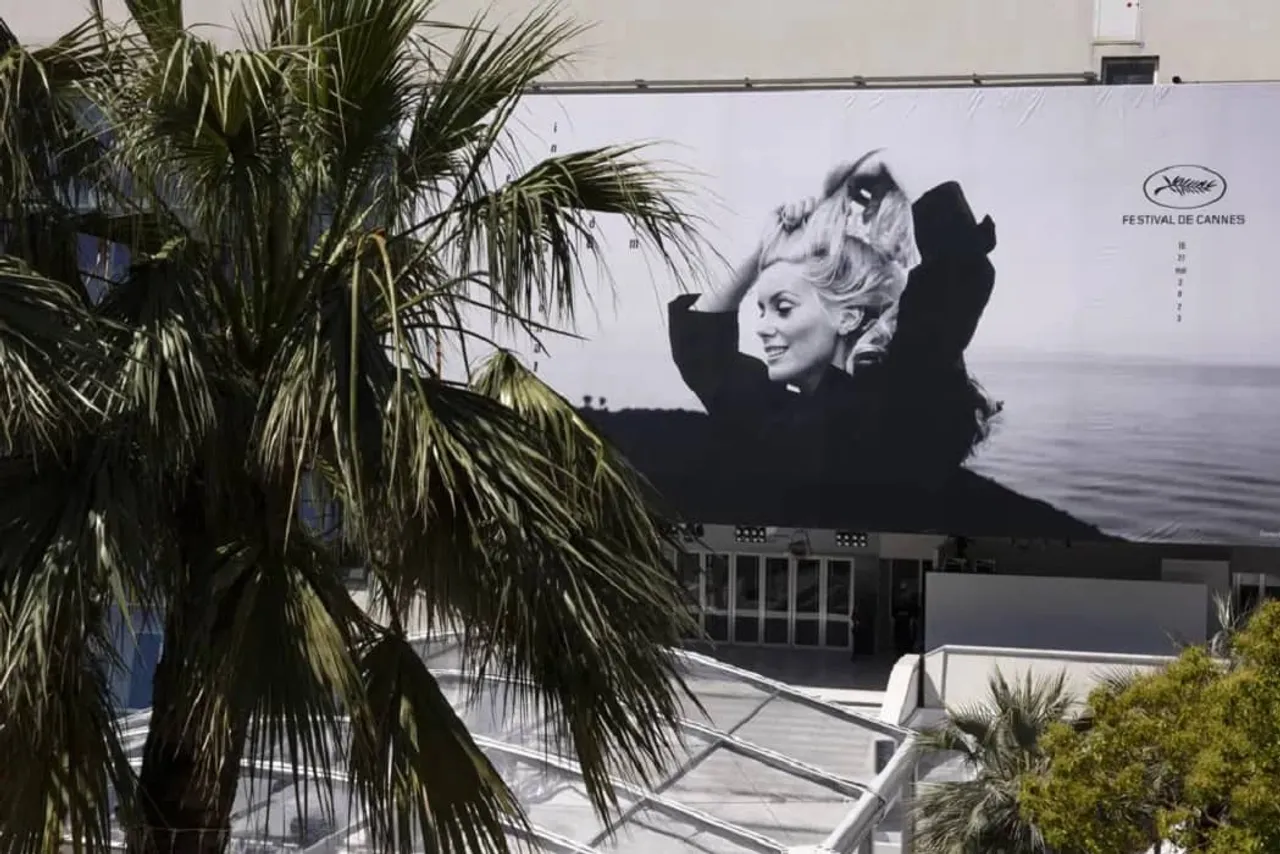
column 1213, row 575
column 960, row 676
column 1083, row 614
column 1197, row 39
column 1117, row 21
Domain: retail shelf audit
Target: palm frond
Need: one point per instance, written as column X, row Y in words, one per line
column 45, row 332
column 531, row 234
column 76, row 540
column 999, row 742
column 461, row 116
column 58, row 736
column 426, row 783
column 44, row 143
column 159, row 20
column 570, row 618
column 305, row 220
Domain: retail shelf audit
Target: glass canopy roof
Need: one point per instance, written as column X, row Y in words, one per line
column 765, row 768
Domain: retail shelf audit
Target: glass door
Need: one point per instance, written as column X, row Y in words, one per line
column 690, row 568
column 777, row 600
column 839, row 604
column 715, row 597
column 1270, row 584
column 747, row 570
column 807, row 599
column 866, row 604
column 905, row 577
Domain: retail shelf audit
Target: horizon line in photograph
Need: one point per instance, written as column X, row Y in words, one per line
column 935, row 315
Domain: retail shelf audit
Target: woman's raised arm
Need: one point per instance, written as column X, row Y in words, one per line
column 729, row 296
column 775, row 244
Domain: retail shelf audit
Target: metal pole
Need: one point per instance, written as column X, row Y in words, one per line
column 561, row 87
column 857, row 831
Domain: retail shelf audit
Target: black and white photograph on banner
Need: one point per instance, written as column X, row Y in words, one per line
column 1025, row 312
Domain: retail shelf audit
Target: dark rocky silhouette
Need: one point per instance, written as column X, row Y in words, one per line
column 706, row 479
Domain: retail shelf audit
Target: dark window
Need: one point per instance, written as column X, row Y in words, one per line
column 690, row 566
column 717, row 584
column 1129, row 70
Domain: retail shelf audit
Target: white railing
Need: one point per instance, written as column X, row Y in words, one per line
column 959, row 675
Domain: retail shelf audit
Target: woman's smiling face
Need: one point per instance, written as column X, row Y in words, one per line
column 799, row 336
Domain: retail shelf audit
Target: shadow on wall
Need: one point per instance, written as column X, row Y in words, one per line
column 706, row 479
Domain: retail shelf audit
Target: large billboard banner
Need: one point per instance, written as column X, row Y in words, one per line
column 1017, row 312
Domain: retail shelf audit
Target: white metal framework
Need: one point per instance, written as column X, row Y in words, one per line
column 764, row 767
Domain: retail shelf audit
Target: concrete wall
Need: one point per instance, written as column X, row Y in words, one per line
column 1213, row 575
column 1087, row 614
column 719, row 539
column 660, row 39
column 958, row 676
column 1135, row 561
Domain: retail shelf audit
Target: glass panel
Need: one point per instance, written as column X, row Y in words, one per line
column 906, row 578
column 145, row 656
column 777, row 584
column 716, row 626
column 1249, row 597
column 746, row 629
column 717, row 584
column 651, row 830
column 689, row 565
column 807, row 586
column 866, row 592
column 775, row 630
column 746, row 601
column 103, row 263
column 838, row 634
column 758, row 797
column 838, row 572
column 906, row 605
column 807, row 633
column 747, row 592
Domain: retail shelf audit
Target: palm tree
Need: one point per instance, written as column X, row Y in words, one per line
column 997, row 743
column 307, row 232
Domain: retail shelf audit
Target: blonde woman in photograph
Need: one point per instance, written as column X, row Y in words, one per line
column 864, row 305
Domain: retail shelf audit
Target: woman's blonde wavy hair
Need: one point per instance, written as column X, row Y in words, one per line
column 859, row 261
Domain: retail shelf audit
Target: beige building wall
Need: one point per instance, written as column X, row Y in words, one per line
column 732, row 39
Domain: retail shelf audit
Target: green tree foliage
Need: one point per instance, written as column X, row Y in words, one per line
column 998, row 742
column 310, row 224
column 1188, row 755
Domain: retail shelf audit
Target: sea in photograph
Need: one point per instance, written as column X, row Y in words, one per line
column 1150, row 452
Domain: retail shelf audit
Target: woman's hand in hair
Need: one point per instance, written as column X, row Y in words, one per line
column 784, row 238
column 794, row 214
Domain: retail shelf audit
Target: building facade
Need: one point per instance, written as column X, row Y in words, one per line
column 672, row 40
column 864, row 591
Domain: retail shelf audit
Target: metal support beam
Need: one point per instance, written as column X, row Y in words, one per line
column 857, row 830
column 729, row 741
column 704, row 821
column 795, row 695
column 780, row 761
column 681, row 772
column 782, row 689
column 729, row 84
column 548, row 840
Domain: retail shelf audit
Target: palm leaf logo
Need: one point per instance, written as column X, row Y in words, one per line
column 1183, row 186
